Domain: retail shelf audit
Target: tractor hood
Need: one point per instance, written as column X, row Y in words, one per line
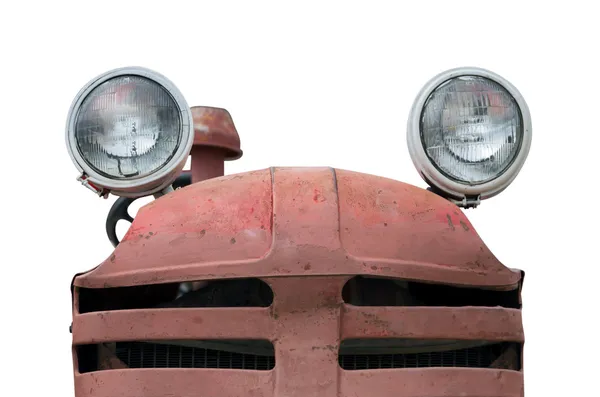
column 267, row 223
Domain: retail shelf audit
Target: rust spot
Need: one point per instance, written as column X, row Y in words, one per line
column 477, row 263
column 307, row 266
column 326, row 347
column 112, row 258
column 464, row 226
column 384, row 223
column 197, row 320
column 374, row 319
column 150, row 233
column 274, row 315
column 202, row 233
column 421, row 214
column 373, row 267
column 450, row 224
column 318, row 197
column 232, row 241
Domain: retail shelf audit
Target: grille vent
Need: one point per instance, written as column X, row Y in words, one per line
column 155, row 355
column 500, row 355
column 506, row 355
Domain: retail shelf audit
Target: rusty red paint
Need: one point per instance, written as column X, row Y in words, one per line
column 361, row 224
column 175, row 383
column 214, row 127
column 215, row 141
column 247, row 323
column 304, row 231
column 438, row 382
column 472, row 323
column 207, row 162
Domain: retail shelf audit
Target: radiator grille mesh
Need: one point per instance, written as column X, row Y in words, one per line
column 475, row 357
column 154, row 355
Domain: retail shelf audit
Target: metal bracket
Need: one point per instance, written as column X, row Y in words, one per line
column 163, row 192
column 100, row 191
column 466, row 202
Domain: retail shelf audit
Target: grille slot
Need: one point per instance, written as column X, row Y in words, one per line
column 498, row 355
column 122, row 355
column 247, row 292
column 155, row 355
column 257, row 355
column 384, row 291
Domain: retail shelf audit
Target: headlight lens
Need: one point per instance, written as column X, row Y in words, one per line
column 471, row 128
column 128, row 127
column 469, row 134
column 129, row 132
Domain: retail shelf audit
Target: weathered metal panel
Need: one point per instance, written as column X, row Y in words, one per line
column 188, row 323
column 382, row 221
column 288, row 221
column 214, row 127
column 463, row 323
column 307, row 323
column 174, row 383
column 432, row 382
column 306, row 232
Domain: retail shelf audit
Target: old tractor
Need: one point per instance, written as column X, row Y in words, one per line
column 295, row 282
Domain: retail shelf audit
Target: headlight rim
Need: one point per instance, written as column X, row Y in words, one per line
column 429, row 171
column 149, row 184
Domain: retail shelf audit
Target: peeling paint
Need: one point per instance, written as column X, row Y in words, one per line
column 464, row 226
column 450, row 224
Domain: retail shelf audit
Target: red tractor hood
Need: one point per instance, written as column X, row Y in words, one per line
column 267, row 223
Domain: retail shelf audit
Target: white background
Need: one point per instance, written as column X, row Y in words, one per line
column 310, row 84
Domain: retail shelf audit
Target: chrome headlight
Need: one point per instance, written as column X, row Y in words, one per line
column 129, row 131
column 469, row 133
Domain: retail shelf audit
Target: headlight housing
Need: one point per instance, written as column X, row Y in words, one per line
column 129, row 131
column 469, row 133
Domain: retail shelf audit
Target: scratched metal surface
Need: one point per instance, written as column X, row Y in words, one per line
column 304, row 231
column 303, row 222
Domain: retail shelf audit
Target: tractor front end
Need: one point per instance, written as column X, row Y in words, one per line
column 295, row 281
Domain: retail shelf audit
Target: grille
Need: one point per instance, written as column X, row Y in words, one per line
column 154, row 355
column 474, row 357
column 505, row 355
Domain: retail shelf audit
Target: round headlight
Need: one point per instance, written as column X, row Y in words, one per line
column 469, row 133
column 129, row 132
